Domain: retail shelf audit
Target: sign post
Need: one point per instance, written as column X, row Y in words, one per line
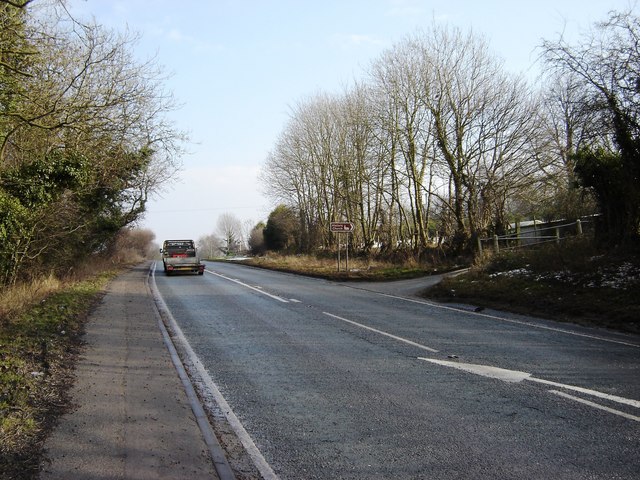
column 342, row 227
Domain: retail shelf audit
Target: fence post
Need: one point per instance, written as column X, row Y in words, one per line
column 496, row 246
column 479, row 244
column 557, row 235
column 579, row 227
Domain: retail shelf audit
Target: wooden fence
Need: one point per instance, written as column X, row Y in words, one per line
column 533, row 233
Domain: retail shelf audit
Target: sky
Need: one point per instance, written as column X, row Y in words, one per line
column 237, row 67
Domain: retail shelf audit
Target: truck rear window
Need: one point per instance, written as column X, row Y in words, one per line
column 179, row 248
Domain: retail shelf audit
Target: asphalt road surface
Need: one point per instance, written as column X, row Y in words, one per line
column 335, row 380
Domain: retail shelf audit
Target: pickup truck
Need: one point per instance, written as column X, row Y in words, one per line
column 180, row 256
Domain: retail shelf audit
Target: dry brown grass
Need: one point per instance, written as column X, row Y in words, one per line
column 359, row 268
column 18, row 298
column 15, row 299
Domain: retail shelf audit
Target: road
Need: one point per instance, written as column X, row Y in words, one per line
column 334, row 380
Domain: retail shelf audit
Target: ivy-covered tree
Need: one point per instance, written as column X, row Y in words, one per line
column 256, row 239
column 282, row 229
column 83, row 141
column 607, row 63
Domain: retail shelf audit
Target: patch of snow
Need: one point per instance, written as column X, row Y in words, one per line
column 518, row 272
column 618, row 277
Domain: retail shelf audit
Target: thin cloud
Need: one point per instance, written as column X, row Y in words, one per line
column 176, row 36
column 348, row 40
column 405, row 8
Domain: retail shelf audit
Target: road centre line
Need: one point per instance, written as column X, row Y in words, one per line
column 280, row 299
column 255, row 289
column 445, row 307
column 508, row 320
column 596, row 405
column 380, row 332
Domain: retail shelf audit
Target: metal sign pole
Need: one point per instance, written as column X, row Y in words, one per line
column 338, row 252
column 338, row 228
column 347, row 254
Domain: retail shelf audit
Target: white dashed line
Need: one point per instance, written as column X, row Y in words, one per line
column 255, row 289
column 371, row 329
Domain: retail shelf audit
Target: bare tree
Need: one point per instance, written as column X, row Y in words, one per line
column 483, row 123
column 301, row 172
column 399, row 80
column 209, row 246
column 365, row 157
column 229, row 230
column 134, row 245
column 568, row 125
column 441, row 125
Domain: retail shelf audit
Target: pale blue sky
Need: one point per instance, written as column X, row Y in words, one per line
column 239, row 65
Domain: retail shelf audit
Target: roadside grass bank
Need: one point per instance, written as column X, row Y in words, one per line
column 572, row 282
column 359, row 268
column 40, row 337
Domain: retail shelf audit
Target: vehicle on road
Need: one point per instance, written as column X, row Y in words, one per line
column 180, row 256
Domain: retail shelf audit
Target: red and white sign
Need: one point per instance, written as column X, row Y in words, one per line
column 342, row 227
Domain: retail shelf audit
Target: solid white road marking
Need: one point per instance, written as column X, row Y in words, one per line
column 587, row 391
column 596, row 405
column 216, row 452
column 179, row 338
column 515, row 376
column 508, row 320
column 400, row 339
column 255, row 289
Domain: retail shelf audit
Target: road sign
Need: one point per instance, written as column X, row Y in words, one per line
column 342, row 227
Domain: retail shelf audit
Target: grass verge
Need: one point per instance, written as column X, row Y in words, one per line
column 572, row 282
column 40, row 329
column 359, row 268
